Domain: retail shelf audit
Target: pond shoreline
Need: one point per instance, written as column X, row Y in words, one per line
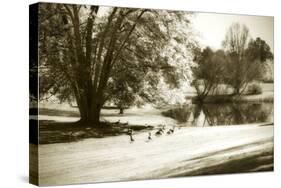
column 61, row 126
column 267, row 97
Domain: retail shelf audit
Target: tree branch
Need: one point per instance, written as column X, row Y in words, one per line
column 127, row 37
column 100, row 49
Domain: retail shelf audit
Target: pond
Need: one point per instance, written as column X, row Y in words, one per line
column 222, row 114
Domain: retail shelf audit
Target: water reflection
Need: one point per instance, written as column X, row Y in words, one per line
column 222, row 114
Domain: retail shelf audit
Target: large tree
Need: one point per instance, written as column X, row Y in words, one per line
column 209, row 71
column 247, row 57
column 235, row 43
column 84, row 50
column 257, row 55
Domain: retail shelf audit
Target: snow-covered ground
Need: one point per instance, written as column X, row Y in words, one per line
column 185, row 152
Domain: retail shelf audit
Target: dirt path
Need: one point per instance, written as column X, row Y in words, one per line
column 189, row 151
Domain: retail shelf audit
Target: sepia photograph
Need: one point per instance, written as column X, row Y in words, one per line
column 123, row 94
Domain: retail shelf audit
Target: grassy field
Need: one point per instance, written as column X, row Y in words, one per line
column 189, row 151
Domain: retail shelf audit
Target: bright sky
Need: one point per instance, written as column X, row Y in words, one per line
column 212, row 27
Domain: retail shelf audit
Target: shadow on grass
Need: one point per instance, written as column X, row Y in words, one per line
column 257, row 162
column 71, row 113
column 54, row 112
column 61, row 132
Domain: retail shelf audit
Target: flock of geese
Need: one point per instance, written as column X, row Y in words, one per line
column 161, row 131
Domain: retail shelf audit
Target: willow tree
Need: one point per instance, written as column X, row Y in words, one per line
column 84, row 48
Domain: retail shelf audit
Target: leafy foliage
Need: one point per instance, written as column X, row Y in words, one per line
column 96, row 55
column 247, row 57
column 242, row 61
column 209, row 71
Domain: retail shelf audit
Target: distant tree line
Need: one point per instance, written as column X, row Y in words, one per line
column 241, row 61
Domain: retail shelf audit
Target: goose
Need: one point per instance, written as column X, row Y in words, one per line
column 162, row 129
column 149, row 136
column 130, row 132
column 74, row 135
column 131, row 138
column 159, row 132
column 127, row 123
column 117, row 122
column 173, row 129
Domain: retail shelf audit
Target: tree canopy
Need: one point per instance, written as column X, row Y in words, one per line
column 95, row 54
column 241, row 61
column 209, row 70
column 246, row 56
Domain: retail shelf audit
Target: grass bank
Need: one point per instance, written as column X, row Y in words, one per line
column 267, row 95
column 232, row 98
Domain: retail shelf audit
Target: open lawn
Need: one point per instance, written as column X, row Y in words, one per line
column 189, row 151
column 70, row 153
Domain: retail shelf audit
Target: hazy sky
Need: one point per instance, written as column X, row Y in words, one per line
column 212, row 27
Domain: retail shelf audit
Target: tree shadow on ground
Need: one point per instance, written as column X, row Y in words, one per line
column 62, row 132
column 72, row 113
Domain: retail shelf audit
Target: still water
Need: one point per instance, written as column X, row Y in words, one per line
column 222, row 114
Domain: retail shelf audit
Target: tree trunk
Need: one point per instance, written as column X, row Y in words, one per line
column 237, row 90
column 90, row 116
column 95, row 114
column 89, row 109
column 121, row 111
